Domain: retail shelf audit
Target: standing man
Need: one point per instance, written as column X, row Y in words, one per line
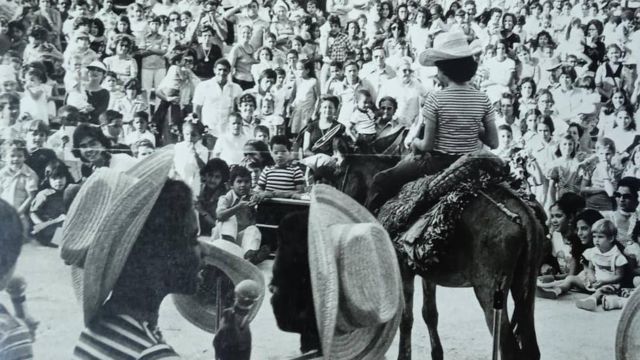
column 213, row 98
column 407, row 90
column 252, row 18
column 377, row 72
column 335, row 47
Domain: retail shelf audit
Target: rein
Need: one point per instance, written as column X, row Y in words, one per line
column 502, row 207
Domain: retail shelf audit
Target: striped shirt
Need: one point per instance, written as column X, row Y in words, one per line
column 121, row 337
column 15, row 340
column 275, row 178
column 459, row 114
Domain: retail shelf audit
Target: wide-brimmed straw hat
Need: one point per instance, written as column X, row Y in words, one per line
column 227, row 257
column 448, row 45
column 355, row 278
column 103, row 223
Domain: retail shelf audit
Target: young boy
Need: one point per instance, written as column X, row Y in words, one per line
column 111, row 125
column 141, row 129
column 38, row 156
column 153, row 62
column 282, row 179
column 505, row 137
column 262, row 133
column 18, row 182
column 236, row 212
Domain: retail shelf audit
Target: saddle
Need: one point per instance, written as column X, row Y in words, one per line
column 422, row 216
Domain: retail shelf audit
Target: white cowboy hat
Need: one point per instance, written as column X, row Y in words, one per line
column 227, row 257
column 355, row 277
column 103, row 223
column 97, row 64
column 448, row 46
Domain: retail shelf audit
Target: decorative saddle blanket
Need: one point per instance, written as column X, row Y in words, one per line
column 421, row 218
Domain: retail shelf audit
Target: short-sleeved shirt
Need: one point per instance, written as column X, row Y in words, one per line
column 244, row 217
column 217, row 103
column 605, row 264
column 121, row 337
column 460, row 113
column 275, row 178
column 15, row 186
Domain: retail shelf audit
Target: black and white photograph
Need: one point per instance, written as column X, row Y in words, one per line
column 319, row 179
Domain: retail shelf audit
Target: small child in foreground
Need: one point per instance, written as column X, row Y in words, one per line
column 282, row 179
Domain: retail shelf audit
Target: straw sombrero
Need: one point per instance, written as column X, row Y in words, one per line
column 448, row 46
column 226, row 256
column 104, row 221
column 355, row 278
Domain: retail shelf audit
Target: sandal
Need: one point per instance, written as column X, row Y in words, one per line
column 612, row 302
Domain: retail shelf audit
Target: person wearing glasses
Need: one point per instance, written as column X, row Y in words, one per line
column 626, row 215
column 407, row 90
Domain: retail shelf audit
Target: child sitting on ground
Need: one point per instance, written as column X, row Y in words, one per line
column 606, row 266
column 236, row 217
column 282, row 179
column 214, row 175
column 47, row 209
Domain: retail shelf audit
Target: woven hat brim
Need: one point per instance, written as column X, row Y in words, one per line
column 429, row 57
column 237, row 269
column 109, row 239
column 325, row 284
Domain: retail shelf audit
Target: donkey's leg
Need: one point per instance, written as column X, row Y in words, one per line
column 430, row 316
column 484, row 294
column 404, row 351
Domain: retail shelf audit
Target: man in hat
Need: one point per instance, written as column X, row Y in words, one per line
column 456, row 121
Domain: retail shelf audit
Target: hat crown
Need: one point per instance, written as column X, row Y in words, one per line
column 452, row 42
column 367, row 284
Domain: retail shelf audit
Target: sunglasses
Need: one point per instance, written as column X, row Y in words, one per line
column 387, row 108
column 623, row 196
column 174, row 19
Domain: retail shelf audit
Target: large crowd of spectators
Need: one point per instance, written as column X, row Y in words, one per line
column 252, row 92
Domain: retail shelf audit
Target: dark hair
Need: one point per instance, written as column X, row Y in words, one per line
column 222, row 61
column 280, row 72
column 262, row 129
column 39, row 33
column 247, row 98
column 99, row 25
column 608, row 106
column 72, row 115
column 389, row 99
column 280, row 140
column 332, row 99
column 597, row 23
column 111, row 74
column 590, row 216
column 629, row 111
column 38, row 126
column 197, row 126
column 333, row 19
column 505, row 127
column 238, row 171
column 216, row 165
column 547, row 121
column 569, row 71
column 632, row 183
column 401, row 28
column 325, row 173
column 309, row 65
column 262, row 148
column 390, row 5
column 86, row 130
column 575, row 146
column 267, row 49
column 108, row 117
column 458, row 70
column 37, row 72
column 570, row 204
column 125, row 20
column 427, row 16
column 10, row 236
column 578, row 127
column 142, row 115
column 268, row 74
column 56, row 169
column 132, row 84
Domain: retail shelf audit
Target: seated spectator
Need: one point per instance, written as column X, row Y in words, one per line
column 236, row 217
column 92, row 147
column 48, row 209
column 281, row 179
column 111, row 126
column 215, row 177
column 230, row 145
column 140, row 130
column 131, row 103
column 142, row 148
column 39, row 156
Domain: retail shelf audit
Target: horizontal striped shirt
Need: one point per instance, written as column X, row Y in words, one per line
column 121, row 337
column 15, row 339
column 275, row 178
column 459, row 114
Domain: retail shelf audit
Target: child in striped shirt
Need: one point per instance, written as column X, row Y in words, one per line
column 282, row 179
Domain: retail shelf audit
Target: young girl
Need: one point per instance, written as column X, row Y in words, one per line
column 599, row 182
column 633, row 165
column 624, row 132
column 273, row 122
column 47, row 208
column 527, row 91
column 18, row 183
column 122, row 63
column 215, row 175
column 528, row 126
column 307, row 93
column 563, row 171
column 36, row 94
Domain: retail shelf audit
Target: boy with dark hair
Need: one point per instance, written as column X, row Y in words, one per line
column 214, row 176
column 152, row 53
column 281, row 179
column 111, row 126
column 140, row 129
column 236, row 212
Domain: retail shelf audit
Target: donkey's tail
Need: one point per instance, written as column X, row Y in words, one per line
column 524, row 284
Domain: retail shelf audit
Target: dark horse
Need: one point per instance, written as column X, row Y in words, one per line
column 490, row 248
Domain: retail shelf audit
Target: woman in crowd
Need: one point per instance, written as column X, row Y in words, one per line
column 318, row 133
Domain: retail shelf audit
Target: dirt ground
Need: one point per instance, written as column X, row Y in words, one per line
column 564, row 332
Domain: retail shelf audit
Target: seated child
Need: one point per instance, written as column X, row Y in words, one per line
column 605, row 268
column 273, row 122
column 262, row 133
column 39, row 156
column 18, row 183
column 362, row 123
column 214, row 175
column 236, row 217
column 140, row 130
column 15, row 340
column 229, row 146
column 142, row 148
column 281, row 179
column 47, row 208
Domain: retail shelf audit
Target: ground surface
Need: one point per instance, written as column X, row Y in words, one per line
column 564, row 332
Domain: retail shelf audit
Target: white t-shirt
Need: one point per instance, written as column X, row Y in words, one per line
column 605, row 264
